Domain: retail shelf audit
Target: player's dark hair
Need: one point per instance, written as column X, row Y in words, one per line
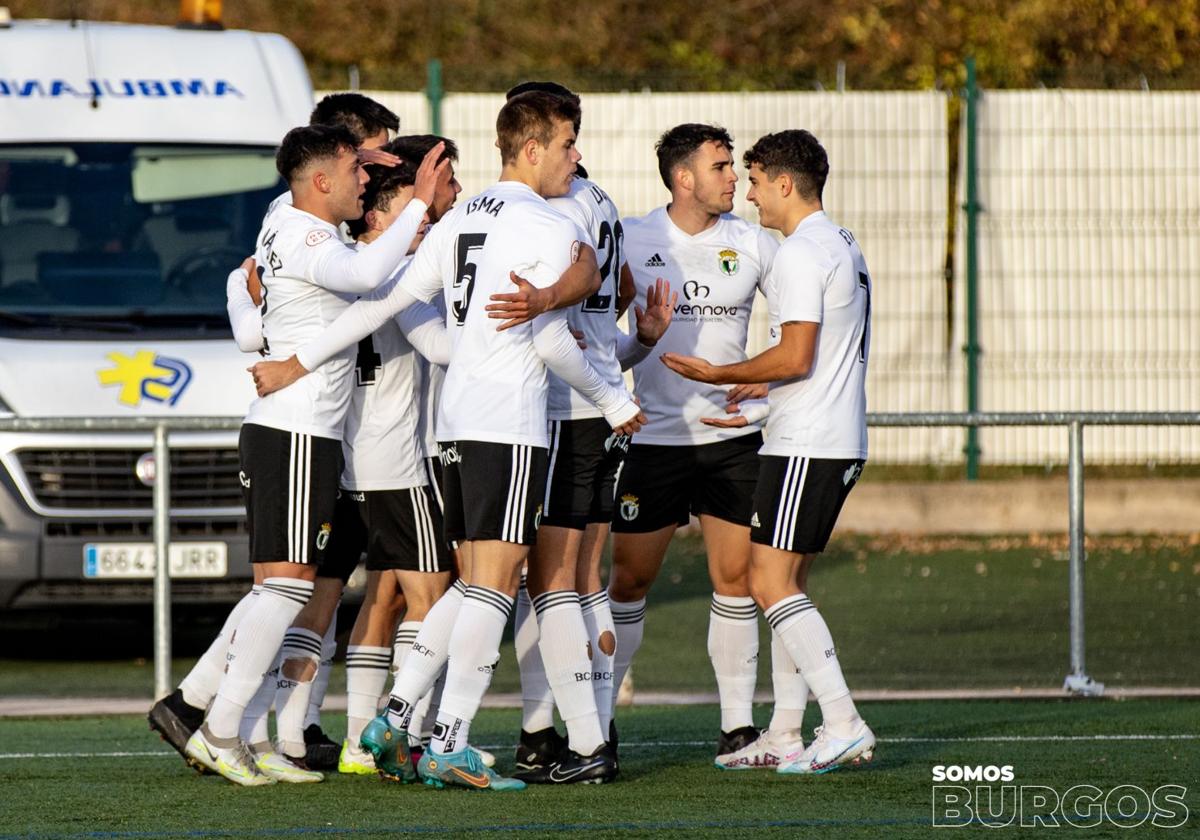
column 386, row 182
column 307, row 143
column 795, row 152
column 678, row 144
column 552, row 88
column 361, row 114
column 529, row 116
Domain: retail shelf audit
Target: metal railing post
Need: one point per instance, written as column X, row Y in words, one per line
column 162, row 576
column 1077, row 681
column 435, row 93
column 971, row 246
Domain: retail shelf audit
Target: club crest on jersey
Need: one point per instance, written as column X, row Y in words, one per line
column 316, row 237
column 323, row 535
column 146, row 376
column 629, row 507
column 728, row 261
column 575, row 252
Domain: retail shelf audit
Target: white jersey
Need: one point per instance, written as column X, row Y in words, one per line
column 495, row 386
column 596, row 317
column 305, row 266
column 381, row 446
column 432, row 377
column 716, row 273
column 820, row 276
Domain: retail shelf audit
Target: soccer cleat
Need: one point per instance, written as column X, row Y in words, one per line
column 828, row 752
column 389, row 748
column 320, row 752
column 463, row 768
column 764, row 753
column 355, row 761
column 613, row 740
column 234, row 762
column 731, row 742
column 282, row 767
column 538, row 750
column 572, row 768
column 175, row 720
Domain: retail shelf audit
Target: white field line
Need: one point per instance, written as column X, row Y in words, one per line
column 93, row 706
column 652, row 745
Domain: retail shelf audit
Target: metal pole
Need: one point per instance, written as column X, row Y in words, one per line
column 162, row 577
column 971, row 206
column 435, row 93
column 1077, row 682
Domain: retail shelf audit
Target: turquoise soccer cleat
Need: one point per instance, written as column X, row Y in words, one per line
column 463, row 768
column 389, row 748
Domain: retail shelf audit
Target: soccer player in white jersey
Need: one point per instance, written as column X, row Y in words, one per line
column 679, row 466
column 491, row 420
column 290, row 448
column 572, row 633
column 819, row 298
column 179, row 714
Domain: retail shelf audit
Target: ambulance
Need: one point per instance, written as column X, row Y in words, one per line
column 136, row 163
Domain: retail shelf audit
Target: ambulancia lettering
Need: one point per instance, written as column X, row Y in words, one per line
column 119, row 88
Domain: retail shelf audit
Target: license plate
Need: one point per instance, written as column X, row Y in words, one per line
column 136, row 560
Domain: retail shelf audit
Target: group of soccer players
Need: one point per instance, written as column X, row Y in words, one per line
column 445, row 394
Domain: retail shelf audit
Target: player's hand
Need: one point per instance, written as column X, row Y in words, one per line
column 736, row 421
column 429, row 172
column 580, row 339
column 518, row 307
column 750, row 391
column 690, row 367
column 272, row 376
column 378, row 157
column 631, row 425
column 653, row 321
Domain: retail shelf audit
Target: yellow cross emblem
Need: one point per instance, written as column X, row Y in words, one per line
column 132, row 373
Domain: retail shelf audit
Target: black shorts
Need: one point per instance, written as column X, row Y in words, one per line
column 433, row 474
column 493, row 491
column 584, row 457
column 664, row 485
column 289, row 483
column 404, row 531
column 349, row 540
column 798, row 500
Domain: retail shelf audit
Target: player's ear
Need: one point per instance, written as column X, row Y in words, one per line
column 532, row 151
column 786, row 185
column 321, row 181
column 685, row 178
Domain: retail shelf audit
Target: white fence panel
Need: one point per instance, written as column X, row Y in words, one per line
column 1089, row 268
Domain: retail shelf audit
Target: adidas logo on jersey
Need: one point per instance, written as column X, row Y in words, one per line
column 655, row 262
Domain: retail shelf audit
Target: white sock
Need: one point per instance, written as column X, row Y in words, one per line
column 426, row 710
column 291, row 700
column 427, row 659
column 474, row 652
column 200, row 685
column 629, row 622
column 537, row 703
column 253, row 728
column 366, row 676
column 563, row 641
column 791, row 691
column 807, row 637
column 252, row 650
column 402, row 643
column 316, row 699
column 597, row 617
column 733, row 649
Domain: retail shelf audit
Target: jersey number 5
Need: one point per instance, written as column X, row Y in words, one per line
column 864, row 344
column 464, row 272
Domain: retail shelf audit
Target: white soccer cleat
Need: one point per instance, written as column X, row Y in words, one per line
column 283, row 768
column 355, row 761
column 235, row 763
column 828, row 752
column 764, row 753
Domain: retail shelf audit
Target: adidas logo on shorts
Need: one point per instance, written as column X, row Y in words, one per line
column 655, row 262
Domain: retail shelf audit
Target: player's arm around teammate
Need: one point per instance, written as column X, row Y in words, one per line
column 819, row 297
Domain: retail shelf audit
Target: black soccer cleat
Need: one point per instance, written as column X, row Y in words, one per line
column 538, row 750
column 731, row 742
column 571, row 768
column 613, row 741
column 320, row 753
column 175, row 720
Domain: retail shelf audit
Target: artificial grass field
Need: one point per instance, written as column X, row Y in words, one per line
column 112, row 778
column 920, row 613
